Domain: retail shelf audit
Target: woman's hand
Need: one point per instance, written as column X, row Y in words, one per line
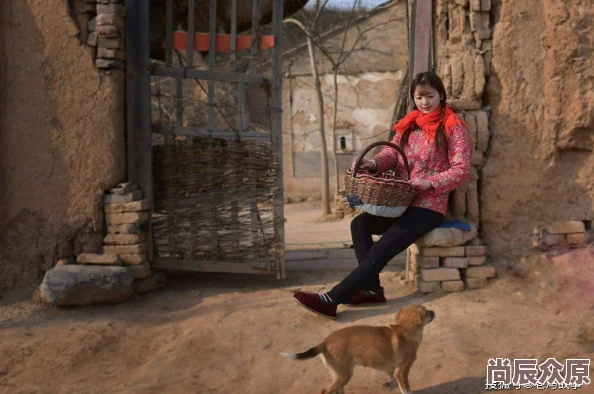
column 422, row 184
column 366, row 165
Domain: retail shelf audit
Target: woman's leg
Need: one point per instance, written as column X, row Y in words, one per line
column 363, row 226
column 404, row 231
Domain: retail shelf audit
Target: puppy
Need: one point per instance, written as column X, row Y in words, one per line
column 392, row 349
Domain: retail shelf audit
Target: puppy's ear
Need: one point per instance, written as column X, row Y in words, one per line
column 417, row 319
column 398, row 315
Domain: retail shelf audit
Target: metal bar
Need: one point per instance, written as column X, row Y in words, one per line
column 276, row 126
column 191, row 14
column 233, row 35
column 212, row 19
column 179, row 97
column 221, row 76
column 241, row 104
column 138, row 105
column 202, row 132
column 256, row 14
column 169, row 33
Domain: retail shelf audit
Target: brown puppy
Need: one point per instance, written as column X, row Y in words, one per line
column 390, row 349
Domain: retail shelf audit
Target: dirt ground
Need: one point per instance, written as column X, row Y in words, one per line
column 223, row 333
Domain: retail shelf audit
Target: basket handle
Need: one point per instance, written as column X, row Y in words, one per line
column 370, row 147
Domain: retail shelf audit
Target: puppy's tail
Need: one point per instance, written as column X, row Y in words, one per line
column 311, row 353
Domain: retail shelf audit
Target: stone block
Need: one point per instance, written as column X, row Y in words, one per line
column 128, row 197
column 481, row 271
column 95, row 258
column 483, row 34
column 447, row 237
column 488, row 58
column 440, row 274
column 110, row 64
column 477, row 260
column 485, row 20
column 92, row 39
column 569, row 227
column 475, row 251
column 145, row 285
column 465, row 104
column 427, row 287
column 455, row 262
column 124, row 189
column 108, row 31
column 450, row 286
column 482, row 131
column 126, row 217
column 475, row 5
column 471, row 126
column 475, row 21
column 84, row 285
column 476, row 283
column 133, row 259
column 554, row 239
column 141, row 271
column 124, row 239
column 477, row 158
column 457, row 251
column 420, row 261
column 472, row 202
column 457, row 79
column 486, row 45
column 115, row 9
column 485, row 5
column 578, row 239
column 110, row 20
column 135, row 206
column 136, row 228
column 110, row 43
column 126, row 249
column 469, row 82
column 92, row 25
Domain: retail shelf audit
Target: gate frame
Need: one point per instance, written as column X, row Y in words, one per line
column 139, row 127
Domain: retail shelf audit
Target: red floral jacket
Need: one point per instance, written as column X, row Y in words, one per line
column 445, row 170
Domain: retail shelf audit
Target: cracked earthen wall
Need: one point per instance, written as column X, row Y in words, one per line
column 61, row 137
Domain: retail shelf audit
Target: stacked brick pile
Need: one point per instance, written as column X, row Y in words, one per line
column 342, row 207
column 450, row 269
column 106, row 33
column 562, row 233
column 126, row 216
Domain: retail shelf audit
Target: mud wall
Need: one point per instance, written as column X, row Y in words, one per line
column 540, row 164
column 61, row 137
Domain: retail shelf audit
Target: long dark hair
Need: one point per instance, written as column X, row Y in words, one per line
column 429, row 78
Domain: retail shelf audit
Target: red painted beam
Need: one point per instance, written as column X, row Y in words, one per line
column 222, row 42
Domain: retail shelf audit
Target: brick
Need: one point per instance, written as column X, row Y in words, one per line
column 419, row 261
column 427, row 287
column 482, row 131
column 124, row 189
column 456, row 251
column 471, row 125
column 136, row 228
column 126, row 217
column 485, row 20
column 468, row 66
column 481, row 271
column 133, row 259
column 476, row 283
column 483, row 34
column 440, row 274
column 125, row 249
column 570, row 227
column 110, row 64
column 466, row 104
column 141, row 271
column 95, row 258
column 487, row 45
column 475, row 242
column 475, row 21
column 554, row 239
column 110, row 20
column 128, row 197
column 475, row 250
column 134, row 206
column 472, row 203
column 111, row 54
column 92, row 25
column 124, row 239
column 108, row 31
column 477, row 260
column 145, row 285
column 452, row 286
column 92, row 39
column 485, row 5
column 488, row 57
column 115, row 9
column 110, row 43
column 477, row 158
column 578, row 239
column 475, row 5
column 455, row 262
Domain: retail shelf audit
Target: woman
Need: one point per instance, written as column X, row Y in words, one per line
column 437, row 146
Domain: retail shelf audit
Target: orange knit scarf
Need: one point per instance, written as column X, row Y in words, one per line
column 428, row 123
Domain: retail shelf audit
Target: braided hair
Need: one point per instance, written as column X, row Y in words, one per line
column 428, row 79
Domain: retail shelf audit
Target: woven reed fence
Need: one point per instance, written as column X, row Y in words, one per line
column 214, row 201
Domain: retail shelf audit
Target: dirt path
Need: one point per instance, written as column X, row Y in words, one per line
column 223, row 334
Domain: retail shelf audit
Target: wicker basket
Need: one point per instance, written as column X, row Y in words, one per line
column 379, row 192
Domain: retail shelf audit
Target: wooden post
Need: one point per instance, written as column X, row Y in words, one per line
column 420, row 40
column 138, row 105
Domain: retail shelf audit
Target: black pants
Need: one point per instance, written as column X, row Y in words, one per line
column 398, row 235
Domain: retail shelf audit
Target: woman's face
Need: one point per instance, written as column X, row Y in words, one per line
column 426, row 98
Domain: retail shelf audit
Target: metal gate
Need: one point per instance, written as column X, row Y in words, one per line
column 204, row 135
